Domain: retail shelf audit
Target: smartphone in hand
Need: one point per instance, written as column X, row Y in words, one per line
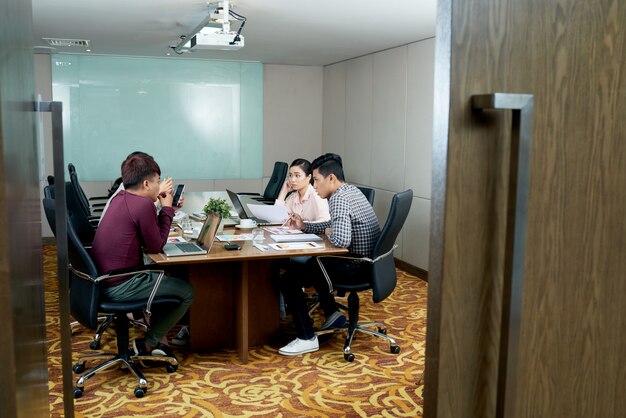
column 177, row 194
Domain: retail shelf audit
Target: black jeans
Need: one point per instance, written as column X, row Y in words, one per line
column 306, row 274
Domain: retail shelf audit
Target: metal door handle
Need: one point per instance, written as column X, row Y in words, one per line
column 515, row 244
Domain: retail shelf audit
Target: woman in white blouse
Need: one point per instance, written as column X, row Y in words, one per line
column 303, row 200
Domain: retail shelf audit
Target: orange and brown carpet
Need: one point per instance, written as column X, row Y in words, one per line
column 216, row 384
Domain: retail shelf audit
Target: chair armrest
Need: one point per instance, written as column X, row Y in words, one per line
column 99, row 198
column 320, row 261
column 135, row 270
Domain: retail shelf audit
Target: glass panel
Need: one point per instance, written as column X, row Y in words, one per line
column 198, row 119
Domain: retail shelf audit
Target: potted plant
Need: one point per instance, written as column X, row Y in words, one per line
column 218, row 206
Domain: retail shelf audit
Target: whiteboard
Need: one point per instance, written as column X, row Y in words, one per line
column 199, row 119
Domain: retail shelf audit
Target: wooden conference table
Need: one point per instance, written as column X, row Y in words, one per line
column 236, row 298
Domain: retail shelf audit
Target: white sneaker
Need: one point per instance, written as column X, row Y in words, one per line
column 298, row 346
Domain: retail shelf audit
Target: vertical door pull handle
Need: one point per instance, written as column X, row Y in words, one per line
column 515, row 243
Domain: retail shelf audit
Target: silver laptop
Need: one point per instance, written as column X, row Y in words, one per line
column 202, row 245
column 242, row 212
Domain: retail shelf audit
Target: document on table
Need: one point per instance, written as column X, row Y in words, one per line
column 281, row 230
column 270, row 213
column 296, row 237
column 235, row 237
column 297, row 246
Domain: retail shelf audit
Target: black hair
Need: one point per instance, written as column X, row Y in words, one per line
column 305, row 165
column 138, row 168
column 329, row 164
column 329, row 156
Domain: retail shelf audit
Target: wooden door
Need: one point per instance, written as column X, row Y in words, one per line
column 569, row 54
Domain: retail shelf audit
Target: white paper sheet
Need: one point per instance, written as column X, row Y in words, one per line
column 271, row 213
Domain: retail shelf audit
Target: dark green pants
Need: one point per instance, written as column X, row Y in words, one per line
column 163, row 318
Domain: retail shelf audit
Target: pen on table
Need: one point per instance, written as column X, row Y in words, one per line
column 286, row 221
column 260, row 247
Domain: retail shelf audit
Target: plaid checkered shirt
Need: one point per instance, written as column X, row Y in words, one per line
column 352, row 219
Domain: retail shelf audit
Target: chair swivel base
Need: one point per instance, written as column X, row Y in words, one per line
column 364, row 328
column 130, row 362
column 353, row 325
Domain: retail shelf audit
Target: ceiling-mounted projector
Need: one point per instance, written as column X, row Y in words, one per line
column 208, row 36
column 216, row 38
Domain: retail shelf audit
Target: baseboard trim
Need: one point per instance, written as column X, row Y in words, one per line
column 411, row 269
column 48, row 240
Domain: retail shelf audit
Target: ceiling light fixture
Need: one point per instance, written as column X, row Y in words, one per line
column 206, row 35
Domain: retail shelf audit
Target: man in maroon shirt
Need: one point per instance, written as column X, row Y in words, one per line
column 131, row 226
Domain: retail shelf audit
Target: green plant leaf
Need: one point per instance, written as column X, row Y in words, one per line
column 219, row 206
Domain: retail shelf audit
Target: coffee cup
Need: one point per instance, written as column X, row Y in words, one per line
column 247, row 223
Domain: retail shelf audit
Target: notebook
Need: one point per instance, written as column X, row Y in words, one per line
column 242, row 212
column 203, row 243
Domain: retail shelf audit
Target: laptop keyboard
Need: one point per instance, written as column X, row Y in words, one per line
column 187, row 247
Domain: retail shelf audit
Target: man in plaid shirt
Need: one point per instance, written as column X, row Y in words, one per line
column 353, row 225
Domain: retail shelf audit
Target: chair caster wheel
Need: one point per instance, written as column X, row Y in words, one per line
column 94, row 345
column 382, row 331
column 78, row 392
column 171, row 368
column 394, row 349
column 139, row 392
column 78, row 368
column 349, row 357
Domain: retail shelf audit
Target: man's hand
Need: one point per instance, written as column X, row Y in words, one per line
column 167, row 199
column 181, row 201
column 328, row 231
column 166, row 187
column 295, row 221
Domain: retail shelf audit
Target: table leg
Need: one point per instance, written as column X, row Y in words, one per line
column 242, row 320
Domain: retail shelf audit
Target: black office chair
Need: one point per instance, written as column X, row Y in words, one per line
column 86, row 304
column 86, row 233
column 48, row 191
column 91, row 206
column 379, row 274
column 272, row 190
column 368, row 193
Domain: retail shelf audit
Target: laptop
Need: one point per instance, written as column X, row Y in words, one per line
column 202, row 245
column 242, row 212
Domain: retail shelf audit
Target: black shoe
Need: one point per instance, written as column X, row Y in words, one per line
column 139, row 347
column 162, row 350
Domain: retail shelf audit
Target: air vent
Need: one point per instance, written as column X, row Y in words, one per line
column 67, row 42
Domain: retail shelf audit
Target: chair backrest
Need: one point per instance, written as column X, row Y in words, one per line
column 49, row 209
column 368, row 193
column 84, row 291
column 76, row 215
column 276, row 180
column 48, row 191
column 78, row 190
column 384, row 271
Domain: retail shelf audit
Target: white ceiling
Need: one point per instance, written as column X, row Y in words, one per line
column 296, row 32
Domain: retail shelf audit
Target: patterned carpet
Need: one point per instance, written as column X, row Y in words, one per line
column 216, row 384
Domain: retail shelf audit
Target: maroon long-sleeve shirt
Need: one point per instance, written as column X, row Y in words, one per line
column 130, row 226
